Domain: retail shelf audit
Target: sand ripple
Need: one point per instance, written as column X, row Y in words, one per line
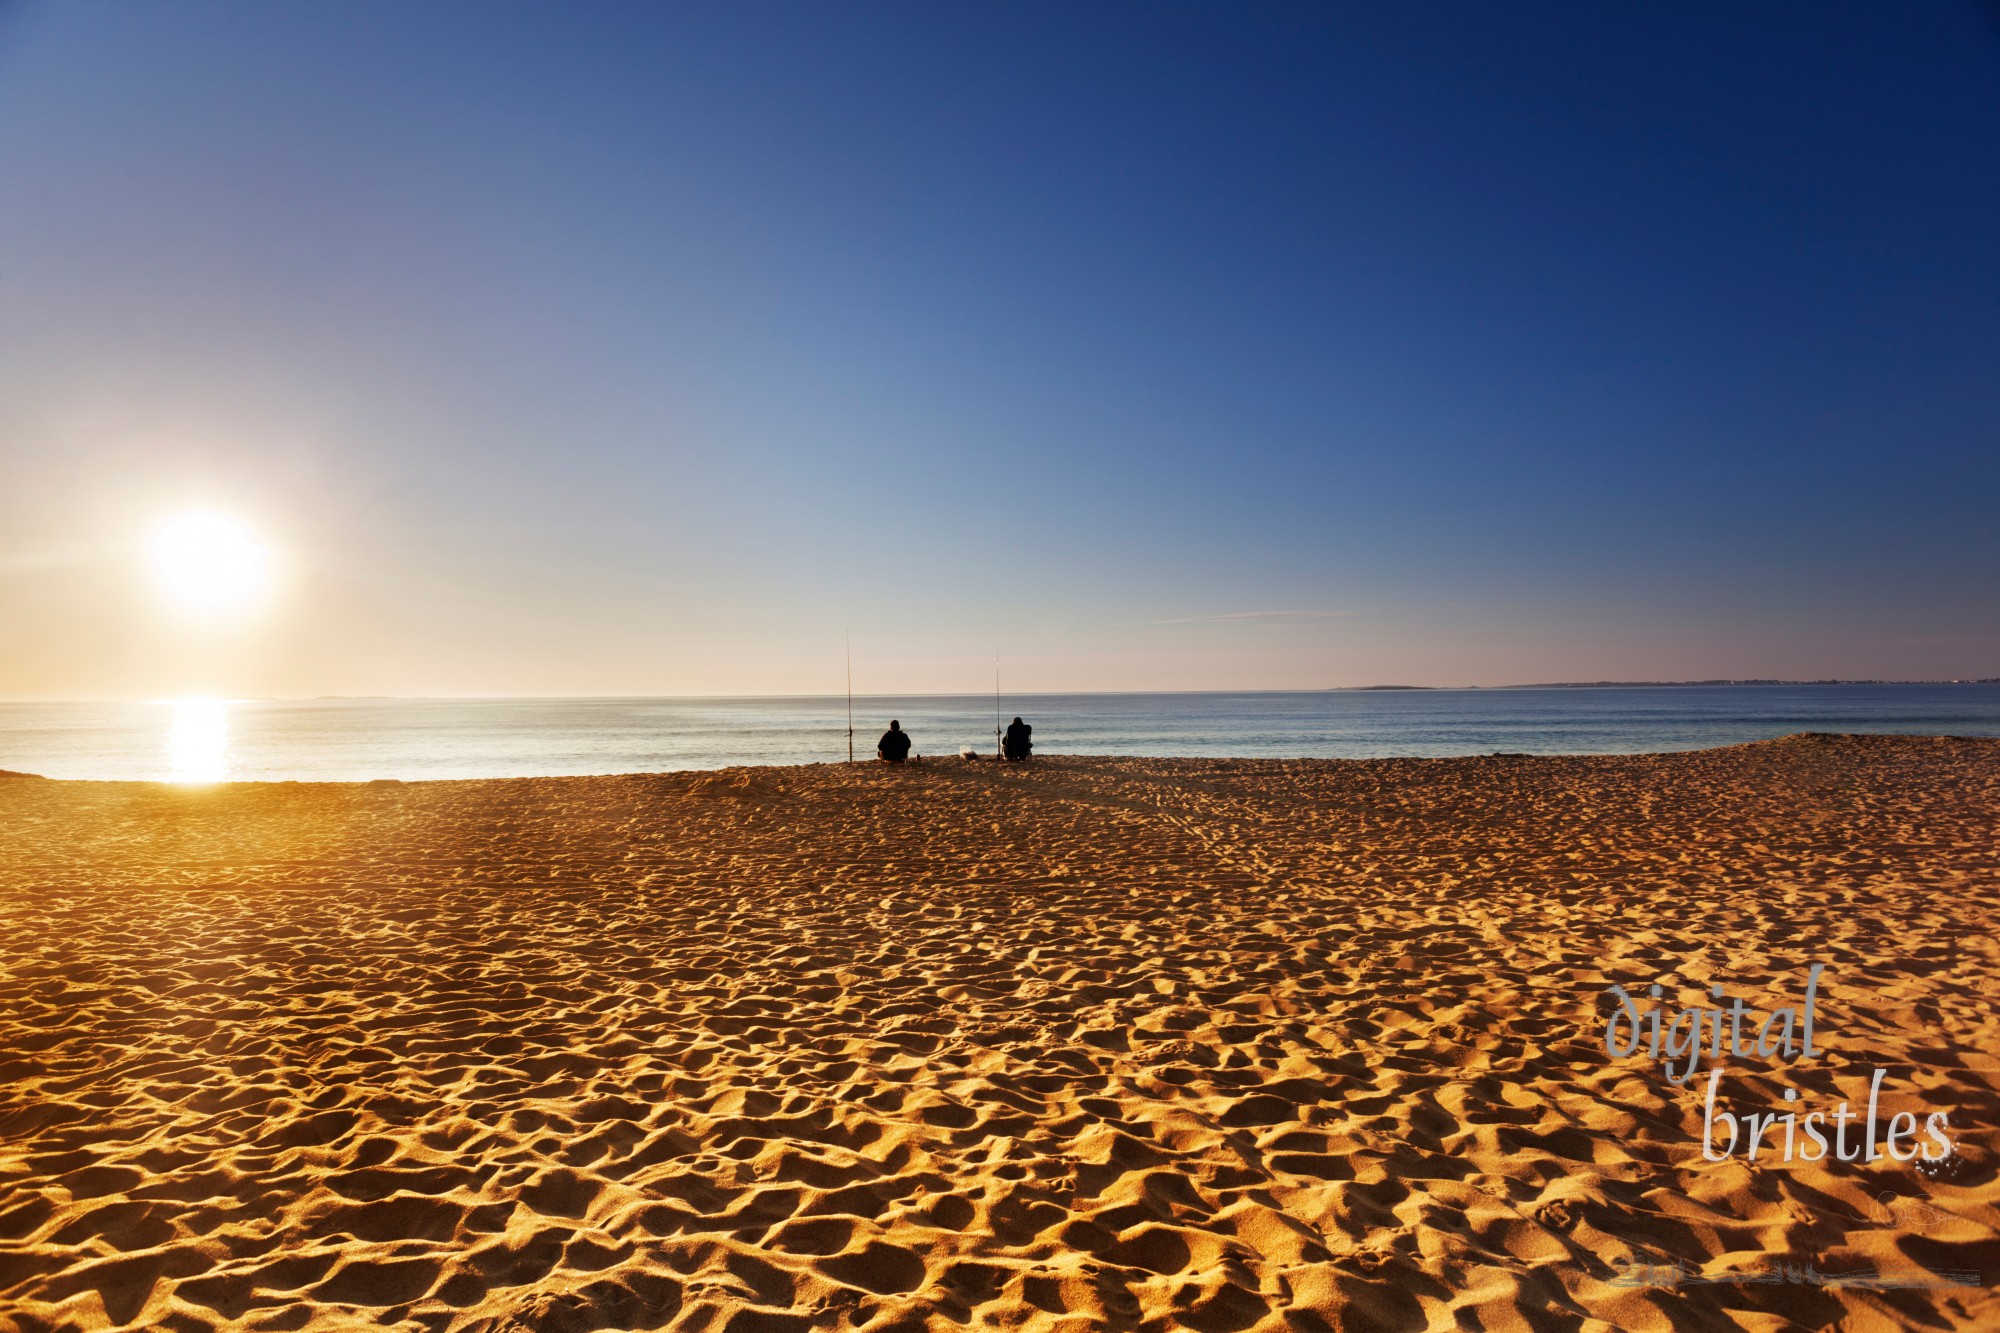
column 1092, row 1044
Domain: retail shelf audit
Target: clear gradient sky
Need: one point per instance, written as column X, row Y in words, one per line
column 602, row 349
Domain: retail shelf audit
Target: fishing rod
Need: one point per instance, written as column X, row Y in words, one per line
column 997, row 751
column 850, row 696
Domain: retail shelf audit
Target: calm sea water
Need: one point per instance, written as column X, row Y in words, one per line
column 353, row 739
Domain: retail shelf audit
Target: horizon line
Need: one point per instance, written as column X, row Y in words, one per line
column 1709, row 683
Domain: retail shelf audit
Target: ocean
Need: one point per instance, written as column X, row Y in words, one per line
column 361, row 739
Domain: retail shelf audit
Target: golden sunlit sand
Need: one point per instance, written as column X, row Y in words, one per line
column 1089, row 1043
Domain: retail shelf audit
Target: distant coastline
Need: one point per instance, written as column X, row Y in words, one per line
column 1664, row 684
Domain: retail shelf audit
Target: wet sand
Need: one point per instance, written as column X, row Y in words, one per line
column 1092, row 1043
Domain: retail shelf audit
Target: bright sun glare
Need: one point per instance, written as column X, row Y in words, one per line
column 209, row 561
column 198, row 741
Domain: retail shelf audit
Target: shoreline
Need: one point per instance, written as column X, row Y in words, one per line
column 958, row 762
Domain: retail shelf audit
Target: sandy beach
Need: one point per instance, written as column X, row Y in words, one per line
column 1086, row 1043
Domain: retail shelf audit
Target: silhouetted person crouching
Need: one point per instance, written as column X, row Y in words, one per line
column 1016, row 744
column 894, row 747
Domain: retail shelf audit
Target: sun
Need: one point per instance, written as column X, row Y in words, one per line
column 209, row 562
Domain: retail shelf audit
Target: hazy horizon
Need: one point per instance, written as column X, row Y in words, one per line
column 1714, row 683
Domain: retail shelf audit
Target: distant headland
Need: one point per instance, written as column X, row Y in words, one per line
column 1676, row 684
column 1661, row 684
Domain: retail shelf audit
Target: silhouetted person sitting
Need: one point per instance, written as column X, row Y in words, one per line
column 1016, row 745
column 894, row 747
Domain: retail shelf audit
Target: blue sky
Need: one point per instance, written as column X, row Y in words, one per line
column 647, row 349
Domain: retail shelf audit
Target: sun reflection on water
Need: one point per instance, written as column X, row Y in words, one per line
column 198, row 741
